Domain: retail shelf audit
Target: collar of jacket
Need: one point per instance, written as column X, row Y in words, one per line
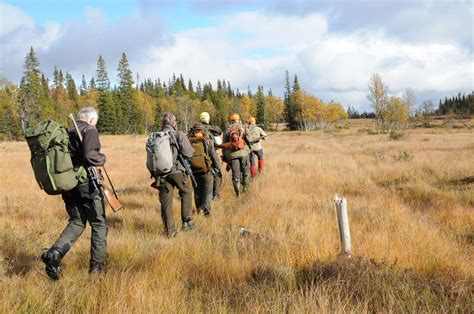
column 168, row 128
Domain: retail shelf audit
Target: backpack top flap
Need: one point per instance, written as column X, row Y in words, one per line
column 39, row 136
column 50, row 158
column 159, row 153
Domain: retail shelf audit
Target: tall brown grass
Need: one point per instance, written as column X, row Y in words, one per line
column 410, row 207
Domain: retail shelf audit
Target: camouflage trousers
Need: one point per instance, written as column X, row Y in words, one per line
column 240, row 170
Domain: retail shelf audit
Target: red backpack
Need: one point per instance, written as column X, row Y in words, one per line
column 235, row 137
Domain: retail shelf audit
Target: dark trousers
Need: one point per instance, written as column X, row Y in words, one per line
column 167, row 184
column 216, row 186
column 81, row 211
column 203, row 191
column 259, row 154
column 240, row 169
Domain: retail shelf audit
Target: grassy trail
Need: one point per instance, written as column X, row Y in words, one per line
column 410, row 207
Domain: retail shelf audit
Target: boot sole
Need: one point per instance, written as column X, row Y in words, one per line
column 53, row 271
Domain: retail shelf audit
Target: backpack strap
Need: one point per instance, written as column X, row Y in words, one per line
column 174, row 142
column 173, row 138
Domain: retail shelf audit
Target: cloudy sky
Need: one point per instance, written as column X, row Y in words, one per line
column 333, row 46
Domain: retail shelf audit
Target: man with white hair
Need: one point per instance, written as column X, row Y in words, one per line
column 84, row 203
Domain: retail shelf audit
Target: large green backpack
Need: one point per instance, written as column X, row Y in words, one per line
column 50, row 158
column 201, row 161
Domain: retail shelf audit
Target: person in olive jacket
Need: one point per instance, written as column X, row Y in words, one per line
column 255, row 135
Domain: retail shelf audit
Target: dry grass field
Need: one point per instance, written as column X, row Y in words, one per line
column 411, row 210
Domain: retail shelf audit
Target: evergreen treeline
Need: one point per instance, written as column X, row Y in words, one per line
column 354, row 114
column 128, row 107
column 137, row 106
column 461, row 105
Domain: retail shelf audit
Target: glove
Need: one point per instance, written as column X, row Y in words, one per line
column 155, row 185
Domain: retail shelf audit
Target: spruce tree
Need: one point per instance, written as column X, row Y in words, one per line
column 128, row 97
column 71, row 89
column 83, row 88
column 108, row 116
column 230, row 93
column 48, row 111
column 190, row 86
column 294, row 103
column 55, row 77
column 92, row 84
column 60, row 78
column 290, row 115
column 181, row 82
column 296, row 85
column 199, row 91
column 32, row 97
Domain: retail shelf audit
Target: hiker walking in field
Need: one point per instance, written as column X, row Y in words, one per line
column 174, row 147
column 215, row 134
column 254, row 135
column 236, row 154
column 202, row 162
column 84, row 203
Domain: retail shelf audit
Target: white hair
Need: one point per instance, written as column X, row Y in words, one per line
column 88, row 113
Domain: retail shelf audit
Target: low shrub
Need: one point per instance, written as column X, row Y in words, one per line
column 395, row 135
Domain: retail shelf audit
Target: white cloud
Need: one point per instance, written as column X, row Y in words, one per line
column 13, row 19
column 17, row 33
column 332, row 66
column 246, row 48
column 227, row 50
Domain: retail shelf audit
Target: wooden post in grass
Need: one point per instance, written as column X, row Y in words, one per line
column 340, row 204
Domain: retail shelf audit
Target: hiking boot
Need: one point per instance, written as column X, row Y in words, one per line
column 246, row 184
column 253, row 171
column 171, row 235
column 188, row 225
column 97, row 268
column 236, row 188
column 52, row 259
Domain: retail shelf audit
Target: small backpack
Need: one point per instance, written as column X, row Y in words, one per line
column 159, row 156
column 201, row 161
column 235, row 138
column 252, row 134
column 50, row 158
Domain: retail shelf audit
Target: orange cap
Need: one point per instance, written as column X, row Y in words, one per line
column 251, row 120
column 234, row 117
